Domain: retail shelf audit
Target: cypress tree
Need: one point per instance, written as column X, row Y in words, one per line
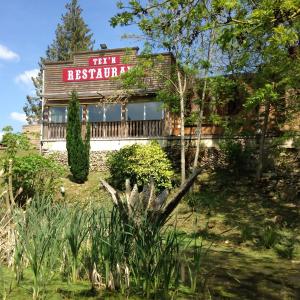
column 78, row 151
column 71, row 35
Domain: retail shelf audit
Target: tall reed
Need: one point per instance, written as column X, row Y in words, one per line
column 39, row 233
column 77, row 228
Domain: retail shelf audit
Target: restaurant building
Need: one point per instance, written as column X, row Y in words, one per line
column 117, row 117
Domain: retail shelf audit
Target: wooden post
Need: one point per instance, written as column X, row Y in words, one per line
column 124, row 130
column 84, row 119
column 46, row 122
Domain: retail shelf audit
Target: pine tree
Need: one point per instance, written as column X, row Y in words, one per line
column 33, row 107
column 78, row 151
column 71, row 35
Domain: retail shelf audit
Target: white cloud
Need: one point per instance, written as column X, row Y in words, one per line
column 25, row 77
column 16, row 116
column 7, row 54
column 1, row 135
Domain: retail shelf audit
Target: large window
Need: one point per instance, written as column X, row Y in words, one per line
column 144, row 111
column 58, row 114
column 104, row 113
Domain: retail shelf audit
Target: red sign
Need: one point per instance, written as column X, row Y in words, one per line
column 104, row 60
column 93, row 73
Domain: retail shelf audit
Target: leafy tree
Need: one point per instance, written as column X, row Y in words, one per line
column 71, row 35
column 14, row 142
column 78, row 150
column 176, row 27
column 263, row 97
column 263, row 38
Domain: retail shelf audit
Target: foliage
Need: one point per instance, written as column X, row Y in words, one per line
column 78, row 150
column 33, row 105
column 39, row 234
column 286, row 247
column 36, row 175
column 71, row 36
column 140, row 163
column 76, row 233
column 14, row 142
column 261, row 96
column 179, row 35
column 237, row 154
column 269, row 236
column 155, row 258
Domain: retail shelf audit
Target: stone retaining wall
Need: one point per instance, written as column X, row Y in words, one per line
column 208, row 157
column 97, row 159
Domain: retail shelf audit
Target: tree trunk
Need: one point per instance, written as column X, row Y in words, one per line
column 199, row 126
column 200, row 120
column 182, row 87
column 262, row 142
column 163, row 216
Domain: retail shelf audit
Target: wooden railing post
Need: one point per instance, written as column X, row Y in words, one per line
column 123, row 129
column 84, row 119
column 45, row 122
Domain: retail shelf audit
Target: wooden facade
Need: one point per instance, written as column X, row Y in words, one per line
column 105, row 91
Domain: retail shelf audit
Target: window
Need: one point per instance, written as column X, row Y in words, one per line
column 112, row 112
column 135, row 111
column 104, row 113
column 144, row 111
column 58, row 114
column 154, row 111
column 95, row 113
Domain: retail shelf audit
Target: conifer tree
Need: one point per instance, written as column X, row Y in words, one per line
column 71, row 35
column 78, row 151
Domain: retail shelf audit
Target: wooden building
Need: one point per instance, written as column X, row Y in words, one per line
column 117, row 117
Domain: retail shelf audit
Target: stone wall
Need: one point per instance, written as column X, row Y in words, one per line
column 97, row 159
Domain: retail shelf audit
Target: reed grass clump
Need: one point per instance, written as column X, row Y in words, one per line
column 115, row 253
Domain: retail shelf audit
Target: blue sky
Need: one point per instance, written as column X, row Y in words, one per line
column 26, row 29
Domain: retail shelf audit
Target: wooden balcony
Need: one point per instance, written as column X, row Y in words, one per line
column 107, row 130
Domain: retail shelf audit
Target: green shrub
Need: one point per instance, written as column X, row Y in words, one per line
column 237, row 155
column 139, row 163
column 36, row 175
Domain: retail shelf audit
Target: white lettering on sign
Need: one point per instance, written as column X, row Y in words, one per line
column 70, row 75
column 104, row 60
column 93, row 73
column 114, row 72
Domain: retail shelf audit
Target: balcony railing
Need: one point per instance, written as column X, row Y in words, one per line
column 103, row 130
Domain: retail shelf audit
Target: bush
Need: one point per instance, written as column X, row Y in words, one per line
column 237, row 155
column 36, row 175
column 139, row 163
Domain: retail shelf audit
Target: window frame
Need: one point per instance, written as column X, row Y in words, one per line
column 103, row 113
column 145, row 111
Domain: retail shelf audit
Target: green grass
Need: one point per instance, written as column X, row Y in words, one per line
column 233, row 217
